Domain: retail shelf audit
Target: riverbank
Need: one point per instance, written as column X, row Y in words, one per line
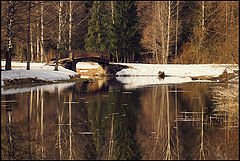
column 175, row 73
column 38, row 73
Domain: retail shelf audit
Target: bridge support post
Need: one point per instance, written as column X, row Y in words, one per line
column 74, row 63
column 71, row 56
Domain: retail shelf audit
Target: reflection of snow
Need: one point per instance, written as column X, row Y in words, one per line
column 49, row 88
column 234, row 80
column 135, row 82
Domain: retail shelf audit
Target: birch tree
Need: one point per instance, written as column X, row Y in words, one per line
column 29, row 35
column 59, row 34
column 176, row 40
column 70, row 30
column 165, row 59
column 159, row 33
column 41, row 32
column 11, row 11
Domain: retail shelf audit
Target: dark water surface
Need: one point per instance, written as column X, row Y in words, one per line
column 104, row 120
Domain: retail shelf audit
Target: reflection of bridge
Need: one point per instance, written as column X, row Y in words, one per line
column 102, row 58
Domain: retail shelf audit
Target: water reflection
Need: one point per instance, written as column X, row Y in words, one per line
column 104, row 120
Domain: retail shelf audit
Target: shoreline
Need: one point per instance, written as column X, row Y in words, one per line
column 41, row 73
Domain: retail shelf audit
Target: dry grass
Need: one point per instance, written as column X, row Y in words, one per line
column 226, row 101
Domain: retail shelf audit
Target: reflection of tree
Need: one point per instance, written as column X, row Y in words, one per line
column 125, row 145
column 98, row 126
column 115, row 134
column 10, row 146
column 163, row 140
column 41, row 132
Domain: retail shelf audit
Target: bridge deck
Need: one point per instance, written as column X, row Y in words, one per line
column 83, row 56
column 92, row 54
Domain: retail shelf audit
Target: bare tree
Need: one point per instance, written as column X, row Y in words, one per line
column 159, row 32
column 176, row 40
column 11, row 11
column 59, row 34
column 41, row 32
column 165, row 59
column 70, row 30
column 29, row 35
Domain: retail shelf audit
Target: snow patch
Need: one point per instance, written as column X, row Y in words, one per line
column 177, row 70
column 87, row 65
column 147, row 74
column 38, row 71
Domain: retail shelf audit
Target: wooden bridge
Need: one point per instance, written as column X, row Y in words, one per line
column 102, row 58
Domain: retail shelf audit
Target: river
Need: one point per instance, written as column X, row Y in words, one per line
column 106, row 119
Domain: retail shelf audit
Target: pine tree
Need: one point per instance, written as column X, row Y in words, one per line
column 98, row 28
column 124, row 36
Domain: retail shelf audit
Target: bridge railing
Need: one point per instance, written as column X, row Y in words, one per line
column 88, row 54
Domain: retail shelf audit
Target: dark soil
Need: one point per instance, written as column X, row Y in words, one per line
column 23, row 81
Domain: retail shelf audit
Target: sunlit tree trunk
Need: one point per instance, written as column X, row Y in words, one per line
column 59, row 34
column 168, row 32
column 41, row 32
column 155, row 36
column 70, row 30
column 37, row 38
column 203, row 23
column 37, row 45
column 31, row 44
column 29, row 35
column 112, row 9
column 176, row 40
column 203, row 20
column 11, row 11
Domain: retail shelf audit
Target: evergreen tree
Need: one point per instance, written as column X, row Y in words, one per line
column 98, row 28
column 124, row 36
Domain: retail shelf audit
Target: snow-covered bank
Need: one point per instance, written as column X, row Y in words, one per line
column 177, row 70
column 37, row 70
column 147, row 74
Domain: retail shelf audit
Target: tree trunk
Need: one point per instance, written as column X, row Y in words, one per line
column 226, row 19
column 41, row 44
column 155, row 36
column 176, row 40
column 168, row 32
column 59, row 35
column 11, row 5
column 112, row 8
column 37, row 38
column 70, row 30
column 203, row 21
column 29, row 35
column 31, row 44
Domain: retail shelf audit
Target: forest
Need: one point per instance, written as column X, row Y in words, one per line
column 155, row 32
